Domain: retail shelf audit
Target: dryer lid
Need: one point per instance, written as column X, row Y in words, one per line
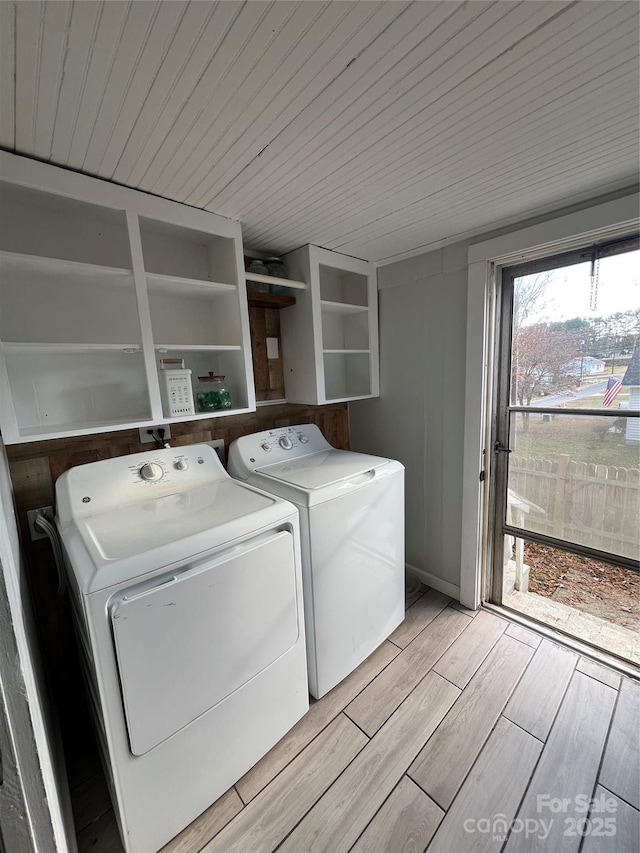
column 155, row 523
column 322, row 469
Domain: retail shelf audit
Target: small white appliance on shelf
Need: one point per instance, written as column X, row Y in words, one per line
column 352, row 532
column 176, row 388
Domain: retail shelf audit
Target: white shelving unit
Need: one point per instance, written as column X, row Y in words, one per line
column 330, row 336
column 97, row 282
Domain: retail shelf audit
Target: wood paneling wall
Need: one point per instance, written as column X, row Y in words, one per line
column 35, row 467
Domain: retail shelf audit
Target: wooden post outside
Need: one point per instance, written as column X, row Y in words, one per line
column 558, row 503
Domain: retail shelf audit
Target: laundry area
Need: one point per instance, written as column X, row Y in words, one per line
column 253, row 265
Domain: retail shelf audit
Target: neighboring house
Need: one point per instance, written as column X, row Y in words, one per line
column 584, row 366
column 631, row 380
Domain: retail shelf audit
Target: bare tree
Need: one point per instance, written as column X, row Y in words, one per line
column 542, row 355
column 528, row 297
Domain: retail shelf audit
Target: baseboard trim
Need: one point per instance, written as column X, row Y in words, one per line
column 435, row 582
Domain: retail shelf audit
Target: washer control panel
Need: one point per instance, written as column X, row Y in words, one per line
column 285, row 439
column 272, row 446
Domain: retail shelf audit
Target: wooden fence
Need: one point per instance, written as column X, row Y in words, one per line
column 593, row 505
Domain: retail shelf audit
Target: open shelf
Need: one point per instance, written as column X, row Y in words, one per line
column 346, row 375
column 174, row 250
column 197, row 347
column 342, row 285
column 58, row 268
column 342, row 307
column 210, row 316
column 62, row 429
column 22, row 346
column 274, row 280
column 201, row 416
column 48, row 225
column 184, row 286
column 66, row 388
column 269, row 300
column 345, row 351
column 65, row 302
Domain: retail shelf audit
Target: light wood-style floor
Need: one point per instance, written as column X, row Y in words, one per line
column 458, row 727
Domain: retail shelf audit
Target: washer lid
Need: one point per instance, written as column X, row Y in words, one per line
column 164, row 520
column 322, row 469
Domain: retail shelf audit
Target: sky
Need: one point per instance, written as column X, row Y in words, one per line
column 568, row 291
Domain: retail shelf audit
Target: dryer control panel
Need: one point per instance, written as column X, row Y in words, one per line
column 275, row 445
column 124, row 480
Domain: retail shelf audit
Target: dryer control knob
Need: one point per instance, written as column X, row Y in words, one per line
column 285, row 442
column 265, row 446
column 182, row 464
column 151, row 472
column 303, row 439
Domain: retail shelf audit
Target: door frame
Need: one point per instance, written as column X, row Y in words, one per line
column 502, row 407
column 612, row 219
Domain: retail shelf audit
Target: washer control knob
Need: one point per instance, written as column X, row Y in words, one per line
column 265, row 446
column 303, row 439
column 182, row 464
column 151, row 472
column 285, row 442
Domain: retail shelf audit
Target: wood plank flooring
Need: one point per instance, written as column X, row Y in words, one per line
column 463, row 732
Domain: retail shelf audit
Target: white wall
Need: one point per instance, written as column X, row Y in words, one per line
column 429, row 414
column 419, row 417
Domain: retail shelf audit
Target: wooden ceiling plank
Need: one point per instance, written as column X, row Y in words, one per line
column 280, row 66
column 113, row 19
column 362, row 90
column 135, row 61
column 56, row 22
column 477, row 192
column 153, row 127
column 497, row 134
column 492, row 102
column 28, row 29
column 83, row 31
column 257, row 118
column 325, row 60
column 517, row 145
column 191, row 30
column 400, row 90
column 157, row 50
column 435, row 208
column 395, row 135
column 573, row 183
column 246, row 40
column 351, row 64
column 496, row 171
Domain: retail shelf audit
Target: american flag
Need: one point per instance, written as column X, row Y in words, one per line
column 613, row 387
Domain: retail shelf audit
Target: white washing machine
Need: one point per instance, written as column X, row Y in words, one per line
column 187, row 593
column 352, row 533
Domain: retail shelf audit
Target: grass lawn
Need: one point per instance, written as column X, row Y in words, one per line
column 584, row 438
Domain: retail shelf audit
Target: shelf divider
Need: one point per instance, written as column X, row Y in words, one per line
column 171, row 281
column 269, row 300
column 345, row 351
column 36, row 346
column 342, row 307
column 272, row 279
column 198, row 347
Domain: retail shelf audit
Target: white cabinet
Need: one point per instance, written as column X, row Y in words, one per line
column 330, row 336
column 97, row 284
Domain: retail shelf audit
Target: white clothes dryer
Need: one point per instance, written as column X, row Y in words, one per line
column 352, row 533
column 187, row 596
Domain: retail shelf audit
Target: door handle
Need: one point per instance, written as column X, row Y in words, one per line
column 498, row 447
